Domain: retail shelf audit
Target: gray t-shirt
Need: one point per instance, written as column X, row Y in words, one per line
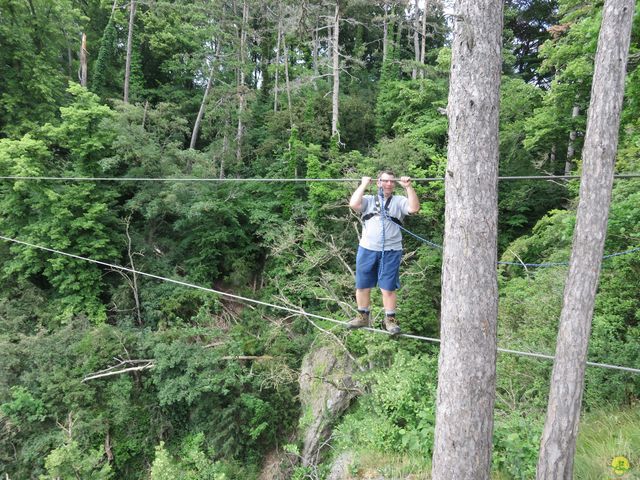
column 372, row 228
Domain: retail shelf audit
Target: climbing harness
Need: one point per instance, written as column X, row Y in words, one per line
column 382, row 208
column 381, row 211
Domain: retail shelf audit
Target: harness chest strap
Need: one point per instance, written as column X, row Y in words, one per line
column 376, row 211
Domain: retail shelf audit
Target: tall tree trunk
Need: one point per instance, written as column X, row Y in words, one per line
column 316, row 68
column 336, row 71
column 83, row 60
column 552, row 159
column 134, row 276
column 423, row 44
column 286, row 80
column 571, row 148
column 557, row 447
column 144, row 113
column 203, row 104
column 416, row 40
column 275, row 88
column 385, row 33
column 398, row 27
column 127, row 69
column 69, row 54
column 225, row 146
column 241, row 82
column 467, row 362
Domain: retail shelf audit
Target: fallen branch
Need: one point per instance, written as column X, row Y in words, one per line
column 117, row 369
column 247, row 357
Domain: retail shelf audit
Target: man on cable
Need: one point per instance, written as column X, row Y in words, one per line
column 380, row 248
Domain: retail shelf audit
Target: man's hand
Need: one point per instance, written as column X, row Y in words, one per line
column 356, row 199
column 405, row 182
column 413, row 201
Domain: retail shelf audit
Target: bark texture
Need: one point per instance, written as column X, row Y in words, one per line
column 571, row 147
column 466, row 373
column 127, row 69
column 336, row 71
column 241, row 81
column 203, row 105
column 558, row 442
column 83, row 60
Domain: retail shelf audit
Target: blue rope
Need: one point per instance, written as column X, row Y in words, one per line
column 520, row 264
column 424, row 240
column 617, row 254
column 383, row 214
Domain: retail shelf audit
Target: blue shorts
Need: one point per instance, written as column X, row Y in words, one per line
column 368, row 268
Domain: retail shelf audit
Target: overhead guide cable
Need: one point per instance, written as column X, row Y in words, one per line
column 279, row 180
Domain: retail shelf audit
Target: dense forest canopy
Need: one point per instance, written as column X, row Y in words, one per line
column 239, row 89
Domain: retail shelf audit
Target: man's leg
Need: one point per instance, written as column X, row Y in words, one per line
column 389, row 282
column 366, row 276
column 389, row 299
column 363, row 298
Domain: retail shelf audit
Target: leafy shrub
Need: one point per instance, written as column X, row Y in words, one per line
column 516, row 439
column 398, row 414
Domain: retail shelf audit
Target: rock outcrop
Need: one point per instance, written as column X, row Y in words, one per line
column 326, row 389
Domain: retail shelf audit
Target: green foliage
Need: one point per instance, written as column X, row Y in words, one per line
column 193, row 463
column 76, row 218
column 216, row 235
column 569, row 57
column 420, row 280
column 516, row 440
column 106, row 71
column 23, row 407
column 527, row 25
column 521, row 203
column 35, row 61
column 531, row 301
column 398, row 414
column 406, row 107
column 201, row 411
column 69, row 462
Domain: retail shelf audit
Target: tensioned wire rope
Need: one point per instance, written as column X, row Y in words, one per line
column 301, row 312
column 284, row 180
column 280, row 180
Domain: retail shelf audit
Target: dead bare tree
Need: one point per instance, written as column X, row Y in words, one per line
column 335, row 48
column 241, row 80
column 127, row 70
column 83, row 61
column 203, row 104
column 571, row 147
column 134, row 275
column 423, row 44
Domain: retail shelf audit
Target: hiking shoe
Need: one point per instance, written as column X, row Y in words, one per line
column 361, row 320
column 390, row 325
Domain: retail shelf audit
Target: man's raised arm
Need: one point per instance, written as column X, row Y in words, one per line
column 356, row 199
